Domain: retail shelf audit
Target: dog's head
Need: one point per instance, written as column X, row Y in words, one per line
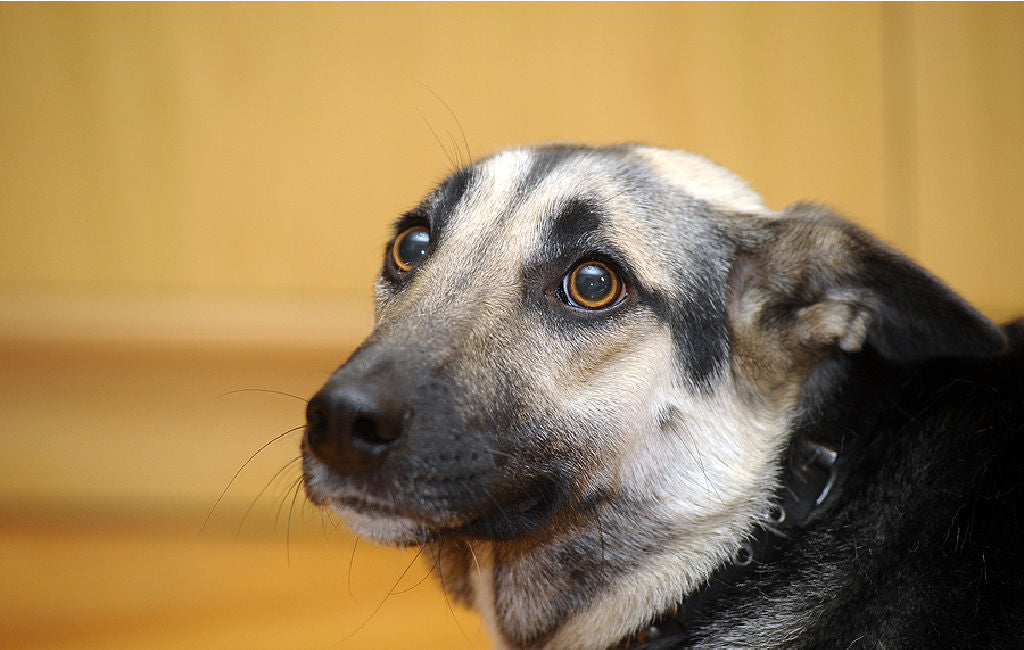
column 569, row 335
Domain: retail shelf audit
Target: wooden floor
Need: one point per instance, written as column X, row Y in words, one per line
column 112, row 461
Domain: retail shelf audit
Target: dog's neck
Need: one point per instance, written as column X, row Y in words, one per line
column 812, row 476
column 507, row 586
column 508, row 594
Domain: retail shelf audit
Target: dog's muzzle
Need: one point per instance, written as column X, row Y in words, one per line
column 386, row 446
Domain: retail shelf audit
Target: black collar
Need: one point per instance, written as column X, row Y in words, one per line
column 810, row 476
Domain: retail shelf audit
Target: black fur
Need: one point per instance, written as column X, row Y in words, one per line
column 917, row 317
column 921, row 544
column 442, row 202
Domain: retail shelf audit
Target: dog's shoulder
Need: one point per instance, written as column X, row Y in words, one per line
column 921, row 546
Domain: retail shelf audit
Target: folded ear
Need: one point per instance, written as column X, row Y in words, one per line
column 808, row 283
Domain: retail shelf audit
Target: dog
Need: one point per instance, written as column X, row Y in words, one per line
column 621, row 403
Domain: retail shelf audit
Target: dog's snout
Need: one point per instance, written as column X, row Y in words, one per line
column 350, row 428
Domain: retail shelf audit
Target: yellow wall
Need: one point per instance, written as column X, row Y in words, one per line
column 193, row 200
column 262, row 149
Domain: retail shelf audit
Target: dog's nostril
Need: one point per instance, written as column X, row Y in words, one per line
column 365, row 428
column 373, row 430
column 316, row 423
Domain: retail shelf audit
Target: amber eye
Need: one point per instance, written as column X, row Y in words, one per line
column 592, row 285
column 410, row 247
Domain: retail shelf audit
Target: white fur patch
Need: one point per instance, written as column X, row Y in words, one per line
column 704, row 180
column 495, row 182
column 390, row 530
column 481, row 577
column 712, row 477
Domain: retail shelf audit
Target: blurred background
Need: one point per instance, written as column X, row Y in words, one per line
column 193, row 202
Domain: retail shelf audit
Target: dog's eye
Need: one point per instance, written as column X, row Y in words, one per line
column 410, row 247
column 592, row 285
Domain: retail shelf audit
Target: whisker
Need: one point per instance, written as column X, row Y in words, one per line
column 335, row 522
column 455, row 117
column 479, row 573
column 455, row 146
column 284, row 499
column 262, row 390
column 351, row 563
column 418, row 583
column 385, row 598
column 472, row 552
column 323, row 526
column 288, row 530
column 447, row 155
column 265, row 488
column 444, row 590
column 244, row 465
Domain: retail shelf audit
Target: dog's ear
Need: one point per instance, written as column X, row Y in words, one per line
column 807, row 282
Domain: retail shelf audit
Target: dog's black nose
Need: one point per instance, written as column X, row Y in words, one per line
column 350, row 429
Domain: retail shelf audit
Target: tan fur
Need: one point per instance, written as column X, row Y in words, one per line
column 776, row 351
column 704, row 180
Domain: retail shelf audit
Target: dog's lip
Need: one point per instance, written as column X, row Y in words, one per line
column 369, row 506
column 443, row 523
column 366, row 505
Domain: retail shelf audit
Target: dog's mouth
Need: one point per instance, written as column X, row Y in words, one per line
column 408, row 516
column 382, row 523
column 405, row 476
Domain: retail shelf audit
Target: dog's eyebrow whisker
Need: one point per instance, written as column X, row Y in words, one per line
column 437, row 138
column 273, row 478
column 244, row 465
column 262, row 390
column 455, row 146
column 455, row 117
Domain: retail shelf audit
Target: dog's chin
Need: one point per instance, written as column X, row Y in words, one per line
column 384, row 528
column 383, row 525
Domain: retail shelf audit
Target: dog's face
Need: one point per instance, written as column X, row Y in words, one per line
column 560, row 319
column 588, row 358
